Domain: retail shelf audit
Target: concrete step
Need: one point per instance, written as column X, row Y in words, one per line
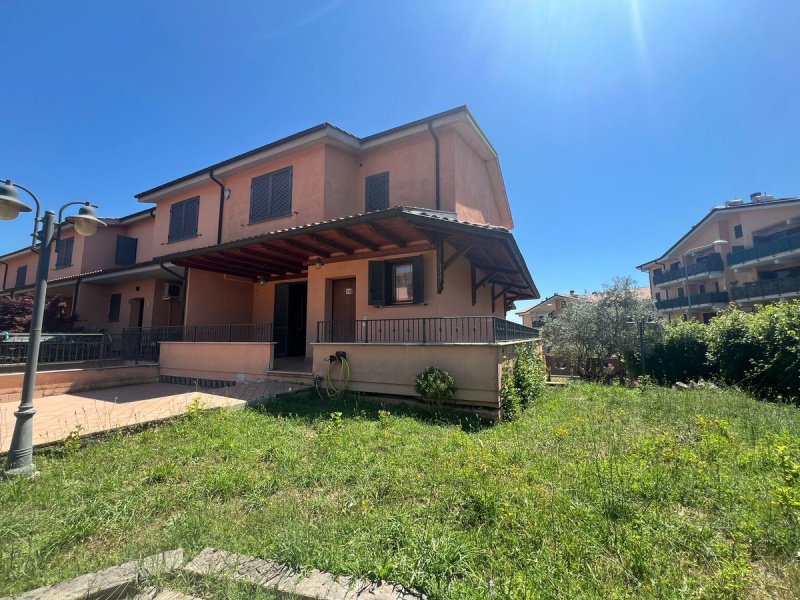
column 282, row 579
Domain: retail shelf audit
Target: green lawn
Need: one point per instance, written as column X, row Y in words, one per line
column 593, row 492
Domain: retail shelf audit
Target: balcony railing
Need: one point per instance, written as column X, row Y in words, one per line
column 143, row 343
column 697, row 300
column 709, row 265
column 434, row 330
column 54, row 348
column 768, row 287
column 766, row 249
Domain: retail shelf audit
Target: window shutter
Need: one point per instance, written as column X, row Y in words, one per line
column 271, row 195
column 22, row 275
column 183, row 219
column 377, row 283
column 281, row 201
column 64, row 252
column 419, row 280
column 113, row 307
column 126, row 250
column 376, row 192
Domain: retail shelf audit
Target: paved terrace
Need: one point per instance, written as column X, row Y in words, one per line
column 112, row 408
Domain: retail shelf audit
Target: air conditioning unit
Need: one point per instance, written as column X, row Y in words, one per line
column 172, row 291
column 734, row 202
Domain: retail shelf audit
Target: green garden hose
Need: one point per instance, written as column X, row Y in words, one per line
column 336, row 389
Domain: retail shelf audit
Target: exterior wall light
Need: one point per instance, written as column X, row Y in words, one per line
column 318, row 263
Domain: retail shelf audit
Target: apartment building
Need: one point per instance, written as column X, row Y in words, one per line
column 309, row 243
column 746, row 252
column 554, row 306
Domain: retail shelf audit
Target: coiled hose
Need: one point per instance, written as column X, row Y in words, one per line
column 336, row 387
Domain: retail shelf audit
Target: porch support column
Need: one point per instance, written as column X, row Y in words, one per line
column 473, row 276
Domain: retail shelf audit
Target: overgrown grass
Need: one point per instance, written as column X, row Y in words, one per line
column 592, row 492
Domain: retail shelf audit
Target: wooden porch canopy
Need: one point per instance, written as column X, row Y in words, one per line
column 287, row 254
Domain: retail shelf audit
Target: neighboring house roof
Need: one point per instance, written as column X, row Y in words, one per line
column 717, row 210
column 640, row 292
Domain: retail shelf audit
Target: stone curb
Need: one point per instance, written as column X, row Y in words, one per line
column 108, row 584
column 276, row 577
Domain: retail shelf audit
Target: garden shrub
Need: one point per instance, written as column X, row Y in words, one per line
column 681, row 353
column 511, row 402
column 731, row 345
column 435, row 385
column 530, row 373
column 775, row 332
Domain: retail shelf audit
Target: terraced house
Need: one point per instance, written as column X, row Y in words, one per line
column 742, row 252
column 393, row 248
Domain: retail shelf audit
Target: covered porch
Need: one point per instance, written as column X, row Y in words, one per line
column 275, row 302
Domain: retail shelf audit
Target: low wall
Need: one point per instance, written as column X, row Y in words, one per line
column 390, row 369
column 50, row 383
column 226, row 361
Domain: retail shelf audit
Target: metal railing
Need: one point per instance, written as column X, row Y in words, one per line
column 433, row 330
column 54, row 348
column 710, row 264
column 144, row 343
column 697, row 300
column 767, row 287
column 763, row 250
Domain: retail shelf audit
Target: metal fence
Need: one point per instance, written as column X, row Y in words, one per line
column 143, row 343
column 54, row 348
column 434, row 330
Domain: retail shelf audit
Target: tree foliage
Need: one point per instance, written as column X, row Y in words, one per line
column 16, row 313
column 599, row 326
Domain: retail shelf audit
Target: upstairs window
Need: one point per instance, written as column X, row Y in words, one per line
column 22, row 275
column 674, row 266
column 681, row 293
column 376, row 192
column 737, row 231
column 702, row 289
column 114, row 304
column 64, row 252
column 396, row 282
column 183, row 219
column 126, row 250
column 658, row 296
column 271, row 195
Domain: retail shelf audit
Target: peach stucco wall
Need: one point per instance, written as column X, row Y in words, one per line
column 93, row 305
column 217, row 299
column 30, row 259
column 226, row 361
column 475, row 199
column 392, row 368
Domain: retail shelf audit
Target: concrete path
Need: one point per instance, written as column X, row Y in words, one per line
column 103, row 410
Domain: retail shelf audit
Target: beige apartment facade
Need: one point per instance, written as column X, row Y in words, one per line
column 745, row 252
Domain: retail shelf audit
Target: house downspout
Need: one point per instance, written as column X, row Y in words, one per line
column 75, row 296
column 221, row 203
column 5, row 274
column 436, row 142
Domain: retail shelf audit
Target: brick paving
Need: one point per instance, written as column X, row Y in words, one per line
column 111, row 408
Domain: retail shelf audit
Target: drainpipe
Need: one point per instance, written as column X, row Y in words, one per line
column 436, row 142
column 221, row 203
column 5, row 274
column 75, row 297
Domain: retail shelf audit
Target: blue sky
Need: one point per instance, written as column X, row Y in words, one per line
column 618, row 123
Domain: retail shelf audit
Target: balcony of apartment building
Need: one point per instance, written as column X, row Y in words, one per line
column 771, row 285
column 705, row 267
column 768, row 246
column 698, row 300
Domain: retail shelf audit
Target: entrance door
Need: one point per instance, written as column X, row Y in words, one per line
column 289, row 322
column 343, row 310
column 137, row 312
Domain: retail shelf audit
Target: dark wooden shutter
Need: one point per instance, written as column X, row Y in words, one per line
column 114, row 304
column 126, row 250
column 419, row 280
column 64, row 252
column 281, row 201
column 183, row 218
column 377, row 283
column 22, row 275
column 376, row 192
column 271, row 195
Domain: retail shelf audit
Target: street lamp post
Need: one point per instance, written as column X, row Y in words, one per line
column 686, row 273
column 641, row 323
column 20, row 455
